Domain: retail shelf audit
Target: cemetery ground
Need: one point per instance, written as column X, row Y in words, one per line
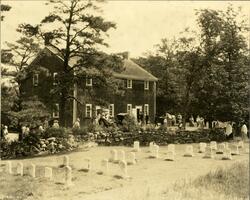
column 149, row 179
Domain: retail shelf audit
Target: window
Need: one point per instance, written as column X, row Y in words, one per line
column 55, row 78
column 129, row 108
column 88, row 110
column 56, row 111
column 146, row 109
column 88, row 81
column 111, row 110
column 146, row 85
column 35, row 79
column 129, row 83
column 97, row 110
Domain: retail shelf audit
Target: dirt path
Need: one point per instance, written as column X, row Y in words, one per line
column 148, row 175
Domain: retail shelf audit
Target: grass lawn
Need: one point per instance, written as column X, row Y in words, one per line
column 151, row 179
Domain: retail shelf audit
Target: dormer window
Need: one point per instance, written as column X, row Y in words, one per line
column 129, row 83
column 88, row 81
column 35, row 79
column 55, row 78
column 146, row 85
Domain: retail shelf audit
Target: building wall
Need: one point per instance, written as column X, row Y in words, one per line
column 43, row 90
column 136, row 96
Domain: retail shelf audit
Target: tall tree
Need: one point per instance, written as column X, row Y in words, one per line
column 14, row 106
column 76, row 33
column 224, row 89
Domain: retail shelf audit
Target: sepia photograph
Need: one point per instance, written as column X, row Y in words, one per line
column 124, row 100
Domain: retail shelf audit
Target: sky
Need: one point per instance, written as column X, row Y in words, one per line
column 140, row 24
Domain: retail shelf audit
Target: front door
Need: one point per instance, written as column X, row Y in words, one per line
column 138, row 111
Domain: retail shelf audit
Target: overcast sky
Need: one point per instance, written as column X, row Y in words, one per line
column 140, row 24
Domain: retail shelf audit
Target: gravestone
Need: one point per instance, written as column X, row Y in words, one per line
column 48, row 173
column 171, row 148
column 19, row 169
column 240, row 144
column 235, row 150
column 170, row 156
column 227, row 154
column 136, row 146
column 9, row 167
column 202, row 147
column 113, row 157
column 226, row 145
column 221, row 148
column 88, row 164
column 124, row 169
column 151, row 146
column 105, row 166
column 65, row 161
column 121, row 155
column 132, row 158
column 189, row 152
column 155, row 152
column 213, row 145
column 208, row 152
column 68, row 176
column 32, row 170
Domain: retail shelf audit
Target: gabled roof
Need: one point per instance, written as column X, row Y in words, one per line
column 134, row 72
column 131, row 69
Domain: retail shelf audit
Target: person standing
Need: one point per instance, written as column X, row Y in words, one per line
column 229, row 130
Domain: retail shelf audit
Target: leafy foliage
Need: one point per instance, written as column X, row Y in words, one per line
column 76, row 35
column 204, row 73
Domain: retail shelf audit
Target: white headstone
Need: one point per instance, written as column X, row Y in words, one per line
column 113, row 154
column 9, row 167
column 221, row 148
column 19, row 169
column 48, row 173
column 121, row 155
column 213, row 145
column 123, row 168
column 105, row 166
column 136, row 146
column 202, row 147
column 68, row 176
column 132, row 158
column 155, row 153
column 208, row 152
column 170, row 156
column 88, row 164
column 226, row 144
column 227, row 154
column 32, row 170
column 189, row 152
column 65, row 160
column 241, row 144
column 235, row 150
column 171, row 148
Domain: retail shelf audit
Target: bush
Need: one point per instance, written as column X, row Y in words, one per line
column 56, row 132
column 129, row 124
